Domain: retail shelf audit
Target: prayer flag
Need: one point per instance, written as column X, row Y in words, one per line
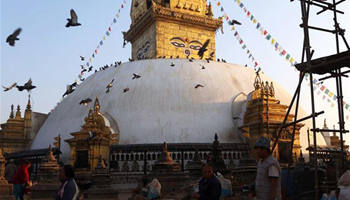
column 255, row 64
column 248, row 13
column 222, row 9
column 334, row 97
column 109, row 28
column 104, row 38
column 250, row 55
column 232, row 28
column 272, row 41
column 87, row 64
column 284, row 52
column 287, row 57
column 90, row 59
column 330, row 94
column 93, row 55
column 265, row 32
column 258, row 25
column 218, row 3
column 251, row 17
column 254, row 21
column 240, row 41
column 107, row 33
column 326, row 91
column 347, row 106
column 236, row 33
column 241, row 5
column 101, row 42
column 268, row 37
column 244, row 46
column 114, row 20
column 291, row 60
column 322, row 87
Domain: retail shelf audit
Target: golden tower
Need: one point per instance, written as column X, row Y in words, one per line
column 171, row 28
column 264, row 116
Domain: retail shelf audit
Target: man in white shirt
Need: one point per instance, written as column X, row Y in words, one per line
column 268, row 177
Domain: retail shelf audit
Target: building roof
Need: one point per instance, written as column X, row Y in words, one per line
column 162, row 105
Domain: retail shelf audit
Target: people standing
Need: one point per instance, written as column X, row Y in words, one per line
column 21, row 179
column 268, row 177
column 69, row 189
column 209, row 185
column 10, row 170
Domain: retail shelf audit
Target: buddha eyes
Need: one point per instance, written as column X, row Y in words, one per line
column 177, row 44
column 195, row 47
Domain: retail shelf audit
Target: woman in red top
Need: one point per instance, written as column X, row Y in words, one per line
column 20, row 180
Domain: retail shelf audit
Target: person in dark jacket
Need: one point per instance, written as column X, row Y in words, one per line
column 69, row 189
column 209, row 185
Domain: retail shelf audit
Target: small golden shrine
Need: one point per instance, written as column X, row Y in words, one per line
column 92, row 142
column 171, row 28
column 263, row 117
column 15, row 134
column 165, row 163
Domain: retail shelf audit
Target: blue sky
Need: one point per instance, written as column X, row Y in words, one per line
column 49, row 53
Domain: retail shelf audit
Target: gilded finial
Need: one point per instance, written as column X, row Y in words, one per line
column 257, row 82
column 272, row 90
column 18, row 112
column 267, row 88
column 97, row 106
column 29, row 106
column 178, row 4
column 11, row 113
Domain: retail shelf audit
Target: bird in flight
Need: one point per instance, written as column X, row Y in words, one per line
column 73, row 21
column 233, row 22
column 82, row 58
column 198, row 85
column 9, row 88
column 125, row 90
column 11, row 39
column 27, row 86
column 85, row 102
column 110, row 84
column 203, row 49
column 70, row 89
column 135, row 76
column 172, row 64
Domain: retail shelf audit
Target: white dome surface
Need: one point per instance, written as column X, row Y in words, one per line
column 162, row 105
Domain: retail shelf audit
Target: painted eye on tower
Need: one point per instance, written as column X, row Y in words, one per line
column 177, row 44
column 195, row 47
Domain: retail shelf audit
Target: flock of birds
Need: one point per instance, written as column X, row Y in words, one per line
column 11, row 40
column 73, row 21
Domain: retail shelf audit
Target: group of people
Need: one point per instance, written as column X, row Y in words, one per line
column 267, row 182
column 20, row 179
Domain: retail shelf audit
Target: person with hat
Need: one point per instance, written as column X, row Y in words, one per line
column 268, row 176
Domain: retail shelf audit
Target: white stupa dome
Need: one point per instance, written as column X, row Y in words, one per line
column 162, row 105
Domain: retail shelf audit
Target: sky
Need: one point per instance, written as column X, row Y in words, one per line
column 48, row 53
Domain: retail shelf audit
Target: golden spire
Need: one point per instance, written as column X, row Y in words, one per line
column 18, row 112
column 97, row 106
column 29, row 106
column 257, row 82
column 11, row 113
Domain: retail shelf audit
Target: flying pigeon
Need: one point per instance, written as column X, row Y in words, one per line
column 203, row 67
column 27, row 86
column 110, row 84
column 131, row 60
column 198, row 85
column 85, row 101
column 135, row 76
column 11, row 39
column 73, row 21
column 90, row 69
column 203, row 49
column 172, row 64
column 82, row 58
column 69, row 90
column 9, row 88
column 125, row 90
column 233, row 22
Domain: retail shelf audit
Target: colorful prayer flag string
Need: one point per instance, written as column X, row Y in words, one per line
column 239, row 38
column 278, row 47
column 104, row 37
